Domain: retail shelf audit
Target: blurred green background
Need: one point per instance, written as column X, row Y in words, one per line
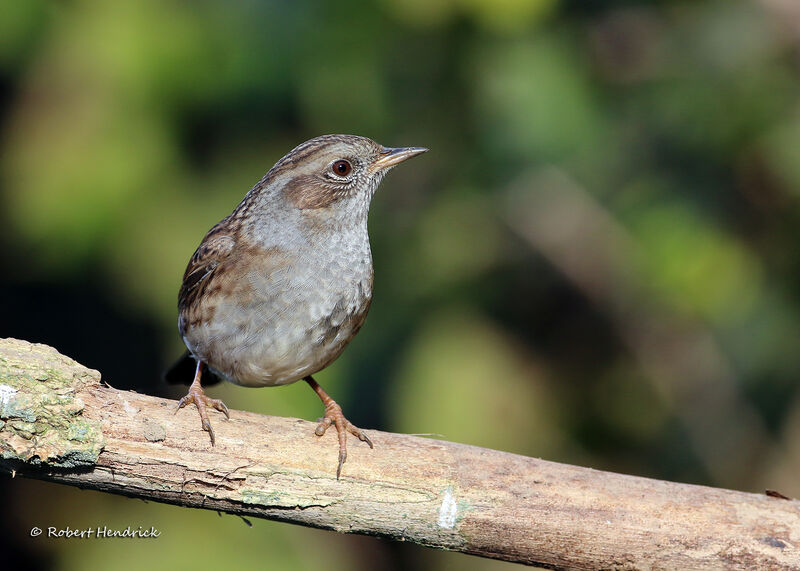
column 597, row 263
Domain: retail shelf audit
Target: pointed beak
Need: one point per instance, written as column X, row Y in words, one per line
column 390, row 157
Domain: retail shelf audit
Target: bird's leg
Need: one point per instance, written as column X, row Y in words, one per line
column 201, row 401
column 334, row 415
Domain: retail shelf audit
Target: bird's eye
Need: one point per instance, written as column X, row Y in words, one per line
column 341, row 167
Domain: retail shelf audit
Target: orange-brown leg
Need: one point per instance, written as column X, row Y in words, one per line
column 201, row 401
column 334, row 415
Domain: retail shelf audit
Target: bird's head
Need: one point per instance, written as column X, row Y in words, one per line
column 333, row 170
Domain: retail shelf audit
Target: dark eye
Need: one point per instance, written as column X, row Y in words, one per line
column 341, row 167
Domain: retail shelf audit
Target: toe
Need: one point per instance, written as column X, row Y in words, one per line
column 362, row 436
column 342, row 458
column 323, row 426
column 358, row 433
column 207, row 428
column 220, row 406
column 182, row 403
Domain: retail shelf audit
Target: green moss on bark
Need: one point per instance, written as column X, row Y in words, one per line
column 41, row 418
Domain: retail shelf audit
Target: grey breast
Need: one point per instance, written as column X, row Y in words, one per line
column 301, row 317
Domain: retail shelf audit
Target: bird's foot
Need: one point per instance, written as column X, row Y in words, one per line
column 201, row 401
column 334, row 415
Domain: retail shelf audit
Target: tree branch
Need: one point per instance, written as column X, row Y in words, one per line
column 58, row 422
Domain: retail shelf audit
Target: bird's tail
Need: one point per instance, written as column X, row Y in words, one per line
column 182, row 372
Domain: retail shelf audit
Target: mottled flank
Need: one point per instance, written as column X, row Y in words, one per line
column 41, row 418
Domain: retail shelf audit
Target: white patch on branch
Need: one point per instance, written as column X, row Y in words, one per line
column 448, row 510
column 127, row 406
column 6, row 393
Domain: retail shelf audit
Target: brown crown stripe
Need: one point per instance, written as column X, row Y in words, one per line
column 302, row 151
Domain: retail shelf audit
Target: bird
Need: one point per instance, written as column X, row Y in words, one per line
column 277, row 289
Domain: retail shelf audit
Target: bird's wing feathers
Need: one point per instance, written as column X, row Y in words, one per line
column 214, row 249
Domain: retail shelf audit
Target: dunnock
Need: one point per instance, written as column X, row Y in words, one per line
column 276, row 290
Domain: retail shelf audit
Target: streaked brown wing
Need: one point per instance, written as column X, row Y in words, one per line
column 212, row 252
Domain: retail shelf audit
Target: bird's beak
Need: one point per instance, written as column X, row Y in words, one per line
column 390, row 157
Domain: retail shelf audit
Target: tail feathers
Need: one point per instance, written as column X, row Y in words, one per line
column 182, row 372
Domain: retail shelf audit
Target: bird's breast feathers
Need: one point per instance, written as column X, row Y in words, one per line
column 284, row 318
